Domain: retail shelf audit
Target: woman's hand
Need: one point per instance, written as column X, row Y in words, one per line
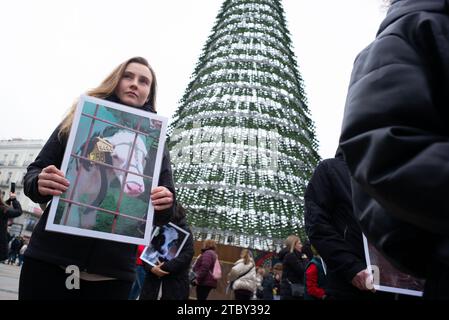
column 161, row 198
column 52, row 182
column 363, row 281
column 12, row 195
column 158, row 271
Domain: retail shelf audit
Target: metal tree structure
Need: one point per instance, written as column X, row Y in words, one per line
column 242, row 142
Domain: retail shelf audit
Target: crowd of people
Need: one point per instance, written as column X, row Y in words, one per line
column 16, row 247
column 386, row 180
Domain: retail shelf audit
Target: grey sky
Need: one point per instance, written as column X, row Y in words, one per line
column 52, row 51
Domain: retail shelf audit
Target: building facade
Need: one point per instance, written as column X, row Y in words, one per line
column 15, row 156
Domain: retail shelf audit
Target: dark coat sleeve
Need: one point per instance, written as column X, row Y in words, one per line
column 51, row 154
column 183, row 260
column 319, row 205
column 294, row 265
column 15, row 210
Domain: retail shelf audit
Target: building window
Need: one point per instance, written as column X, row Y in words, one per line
column 14, row 162
column 29, row 160
column 8, row 180
column 3, row 161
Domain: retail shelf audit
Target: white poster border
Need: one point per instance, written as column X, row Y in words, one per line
column 144, row 252
column 51, row 226
column 377, row 285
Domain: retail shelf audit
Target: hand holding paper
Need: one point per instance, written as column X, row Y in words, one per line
column 51, row 182
column 158, row 271
column 363, row 281
column 161, row 198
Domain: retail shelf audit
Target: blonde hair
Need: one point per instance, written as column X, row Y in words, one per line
column 107, row 87
column 246, row 256
column 291, row 242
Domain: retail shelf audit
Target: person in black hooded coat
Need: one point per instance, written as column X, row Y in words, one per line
column 395, row 137
column 173, row 275
column 333, row 230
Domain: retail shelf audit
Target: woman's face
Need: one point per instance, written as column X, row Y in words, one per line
column 133, row 88
column 298, row 246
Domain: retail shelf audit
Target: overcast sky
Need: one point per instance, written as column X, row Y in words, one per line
column 52, row 51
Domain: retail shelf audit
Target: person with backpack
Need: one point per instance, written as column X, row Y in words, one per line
column 315, row 278
column 204, row 267
column 243, row 278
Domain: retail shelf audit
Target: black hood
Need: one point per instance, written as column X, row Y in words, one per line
column 339, row 154
column 400, row 8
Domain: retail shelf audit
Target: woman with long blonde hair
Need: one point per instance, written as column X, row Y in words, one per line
column 242, row 277
column 107, row 268
column 293, row 267
column 107, row 90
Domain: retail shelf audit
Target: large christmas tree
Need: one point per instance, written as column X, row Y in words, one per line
column 242, row 142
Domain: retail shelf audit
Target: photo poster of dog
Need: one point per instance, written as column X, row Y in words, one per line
column 166, row 243
column 112, row 154
column 388, row 278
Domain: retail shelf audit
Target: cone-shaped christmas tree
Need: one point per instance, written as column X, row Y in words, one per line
column 242, row 143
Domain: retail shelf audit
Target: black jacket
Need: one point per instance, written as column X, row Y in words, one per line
column 293, row 267
column 5, row 214
column 268, row 286
column 175, row 285
column 332, row 228
column 108, row 258
column 395, row 135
